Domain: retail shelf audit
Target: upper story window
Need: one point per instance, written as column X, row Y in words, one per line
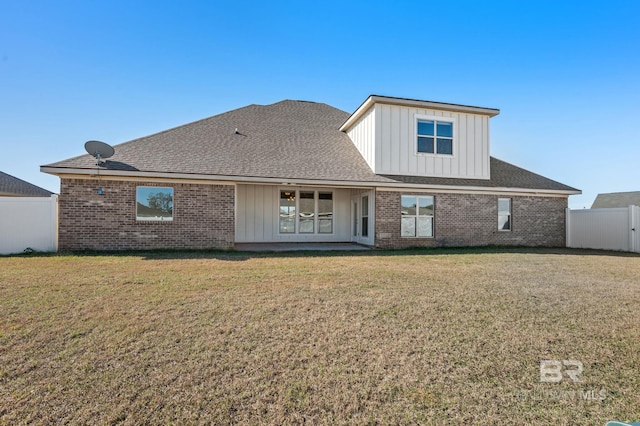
column 435, row 136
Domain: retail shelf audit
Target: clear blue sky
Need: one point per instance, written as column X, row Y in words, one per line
column 565, row 75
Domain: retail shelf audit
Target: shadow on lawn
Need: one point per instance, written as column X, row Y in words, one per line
column 239, row 256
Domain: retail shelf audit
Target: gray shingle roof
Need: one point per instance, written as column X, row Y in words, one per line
column 616, row 199
column 12, row 186
column 503, row 175
column 288, row 140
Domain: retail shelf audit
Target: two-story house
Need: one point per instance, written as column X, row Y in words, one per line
column 395, row 173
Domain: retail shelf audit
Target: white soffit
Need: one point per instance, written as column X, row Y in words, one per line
column 376, row 99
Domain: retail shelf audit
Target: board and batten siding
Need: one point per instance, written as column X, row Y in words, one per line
column 257, row 219
column 363, row 136
column 391, row 131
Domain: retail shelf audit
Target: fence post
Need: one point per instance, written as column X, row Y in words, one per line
column 54, row 221
column 568, row 228
column 633, row 228
column 637, row 224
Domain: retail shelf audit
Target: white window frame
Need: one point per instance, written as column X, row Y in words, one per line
column 333, row 212
column 508, row 215
column 418, row 215
column 436, row 118
column 279, row 212
column 155, row 219
column 364, row 216
column 316, row 218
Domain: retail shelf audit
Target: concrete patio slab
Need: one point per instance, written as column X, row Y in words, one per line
column 283, row 247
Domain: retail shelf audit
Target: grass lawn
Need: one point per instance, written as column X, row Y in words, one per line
column 426, row 337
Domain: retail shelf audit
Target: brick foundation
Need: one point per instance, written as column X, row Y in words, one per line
column 472, row 220
column 203, row 217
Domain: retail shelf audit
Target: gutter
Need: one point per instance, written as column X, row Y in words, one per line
column 230, row 180
column 376, row 99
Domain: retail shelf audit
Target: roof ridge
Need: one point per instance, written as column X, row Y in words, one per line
column 306, row 102
column 619, row 192
column 398, row 98
column 300, row 100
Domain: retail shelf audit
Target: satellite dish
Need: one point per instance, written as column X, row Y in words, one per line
column 99, row 150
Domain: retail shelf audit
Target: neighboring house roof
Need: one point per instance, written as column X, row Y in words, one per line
column 288, row 140
column 13, row 187
column 616, row 199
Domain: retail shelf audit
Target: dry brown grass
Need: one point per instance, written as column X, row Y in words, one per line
column 439, row 337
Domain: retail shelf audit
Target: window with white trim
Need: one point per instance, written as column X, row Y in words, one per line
column 434, row 136
column 417, row 216
column 325, row 212
column 287, row 212
column 365, row 217
column 154, row 203
column 504, row 214
column 305, row 212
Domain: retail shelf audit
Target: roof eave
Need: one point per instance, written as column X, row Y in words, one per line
column 389, row 185
column 374, row 99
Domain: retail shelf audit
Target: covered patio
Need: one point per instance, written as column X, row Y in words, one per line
column 284, row 247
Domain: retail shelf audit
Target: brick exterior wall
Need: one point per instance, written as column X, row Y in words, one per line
column 472, row 220
column 203, row 217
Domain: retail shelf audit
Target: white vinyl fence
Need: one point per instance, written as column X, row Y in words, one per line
column 605, row 229
column 28, row 222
